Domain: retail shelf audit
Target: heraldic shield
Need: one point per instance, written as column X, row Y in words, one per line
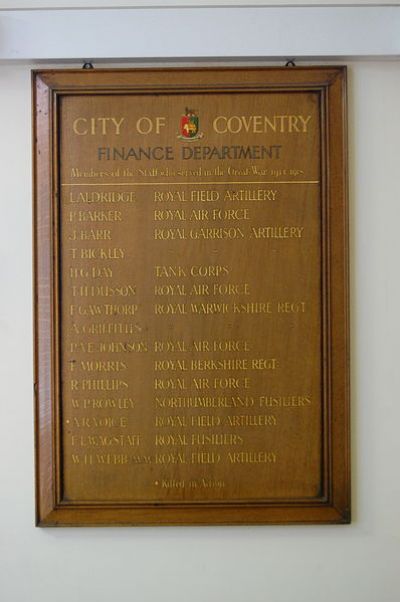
column 189, row 125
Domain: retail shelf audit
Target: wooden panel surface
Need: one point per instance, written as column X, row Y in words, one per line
column 191, row 296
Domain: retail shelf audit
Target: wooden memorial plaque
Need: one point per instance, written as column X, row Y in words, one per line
column 191, row 296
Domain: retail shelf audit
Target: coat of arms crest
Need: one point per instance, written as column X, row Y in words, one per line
column 189, row 125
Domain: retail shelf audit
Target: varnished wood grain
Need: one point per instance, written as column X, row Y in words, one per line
column 308, row 481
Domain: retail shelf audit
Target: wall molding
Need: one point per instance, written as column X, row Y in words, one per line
column 205, row 33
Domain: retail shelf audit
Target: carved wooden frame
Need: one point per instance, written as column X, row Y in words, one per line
column 333, row 505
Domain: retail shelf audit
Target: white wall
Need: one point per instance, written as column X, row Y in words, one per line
column 33, row 4
column 355, row 563
column 201, row 33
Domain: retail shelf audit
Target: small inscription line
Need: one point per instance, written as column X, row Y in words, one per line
column 187, row 183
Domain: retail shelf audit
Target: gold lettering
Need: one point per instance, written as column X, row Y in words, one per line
column 248, row 420
column 260, row 457
column 285, row 401
column 98, row 385
column 95, row 216
column 261, row 124
column 97, row 125
column 105, row 440
column 288, row 307
column 103, row 421
column 278, row 232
